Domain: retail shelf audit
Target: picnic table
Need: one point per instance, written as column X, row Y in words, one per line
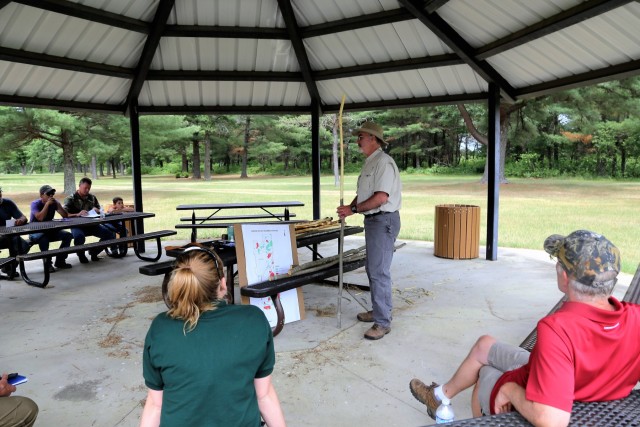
column 83, row 222
column 266, row 210
column 614, row 413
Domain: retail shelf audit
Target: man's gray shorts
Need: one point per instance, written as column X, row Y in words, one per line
column 502, row 358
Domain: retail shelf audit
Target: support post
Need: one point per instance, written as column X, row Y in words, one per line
column 493, row 187
column 136, row 173
column 315, row 157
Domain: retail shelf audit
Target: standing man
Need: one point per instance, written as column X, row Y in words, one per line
column 44, row 209
column 16, row 244
column 78, row 204
column 378, row 199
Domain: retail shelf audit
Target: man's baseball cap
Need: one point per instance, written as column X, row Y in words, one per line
column 589, row 257
column 46, row 189
column 370, row 128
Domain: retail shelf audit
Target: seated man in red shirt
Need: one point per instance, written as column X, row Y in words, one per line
column 587, row 351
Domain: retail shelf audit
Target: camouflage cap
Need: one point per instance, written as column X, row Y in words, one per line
column 589, row 257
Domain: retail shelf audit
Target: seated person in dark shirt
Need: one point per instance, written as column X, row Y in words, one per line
column 44, row 209
column 15, row 244
column 77, row 205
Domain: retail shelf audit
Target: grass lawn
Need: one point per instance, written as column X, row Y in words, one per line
column 530, row 209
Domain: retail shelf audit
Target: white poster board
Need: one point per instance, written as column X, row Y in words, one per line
column 263, row 252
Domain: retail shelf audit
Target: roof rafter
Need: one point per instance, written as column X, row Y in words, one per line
column 411, row 102
column 390, row 66
column 451, row 38
column 229, row 76
column 298, row 46
column 368, row 20
column 356, row 22
column 149, row 50
column 44, row 60
column 27, row 101
column 226, row 32
column 555, row 23
column 620, row 71
column 77, row 10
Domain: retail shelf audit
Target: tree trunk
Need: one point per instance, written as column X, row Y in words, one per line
column 207, row 156
column 196, row 159
column 185, row 161
column 69, row 164
column 505, row 113
column 245, row 151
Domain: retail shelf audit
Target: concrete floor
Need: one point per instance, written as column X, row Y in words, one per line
column 79, row 340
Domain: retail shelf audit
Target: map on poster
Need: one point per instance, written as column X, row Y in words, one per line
column 268, row 252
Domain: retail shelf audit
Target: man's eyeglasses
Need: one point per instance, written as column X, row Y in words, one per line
column 362, row 137
column 51, row 193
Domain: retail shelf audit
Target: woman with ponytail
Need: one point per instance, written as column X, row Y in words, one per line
column 206, row 362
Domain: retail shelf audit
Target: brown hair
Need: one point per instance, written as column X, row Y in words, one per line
column 193, row 286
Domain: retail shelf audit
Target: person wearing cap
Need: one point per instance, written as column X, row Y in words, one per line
column 588, row 350
column 79, row 204
column 44, row 209
column 378, row 198
column 15, row 244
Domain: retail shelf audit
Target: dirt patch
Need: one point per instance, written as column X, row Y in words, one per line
column 115, row 319
column 112, row 340
column 120, row 353
column 149, row 294
column 411, row 295
column 323, row 311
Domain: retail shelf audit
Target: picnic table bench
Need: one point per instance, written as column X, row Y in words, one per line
column 122, row 244
column 615, row 413
column 223, row 221
column 272, row 288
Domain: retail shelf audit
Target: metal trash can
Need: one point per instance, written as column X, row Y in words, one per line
column 457, row 231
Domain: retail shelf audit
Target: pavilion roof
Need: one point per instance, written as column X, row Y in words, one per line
column 283, row 56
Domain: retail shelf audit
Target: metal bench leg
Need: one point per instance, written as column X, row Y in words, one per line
column 146, row 258
column 280, row 312
column 28, row 281
column 122, row 251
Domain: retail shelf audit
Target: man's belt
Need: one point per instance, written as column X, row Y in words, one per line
column 377, row 213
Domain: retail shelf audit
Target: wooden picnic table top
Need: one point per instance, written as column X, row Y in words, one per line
column 248, row 205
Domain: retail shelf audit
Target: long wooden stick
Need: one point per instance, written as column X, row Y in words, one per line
column 341, row 240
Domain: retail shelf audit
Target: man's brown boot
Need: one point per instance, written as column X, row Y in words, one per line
column 425, row 395
column 367, row 316
column 376, row 332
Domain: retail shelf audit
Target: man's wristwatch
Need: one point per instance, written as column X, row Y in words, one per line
column 354, row 209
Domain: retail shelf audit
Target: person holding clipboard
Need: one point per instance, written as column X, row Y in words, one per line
column 15, row 410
